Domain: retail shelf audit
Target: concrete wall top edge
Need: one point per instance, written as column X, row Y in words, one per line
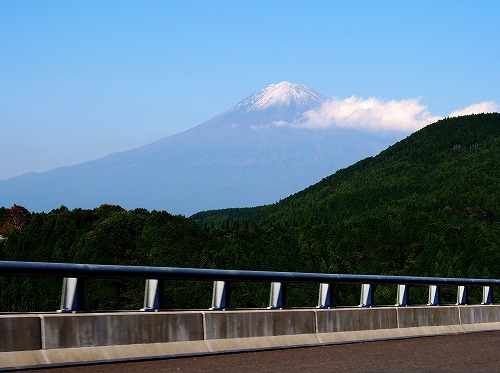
column 258, row 310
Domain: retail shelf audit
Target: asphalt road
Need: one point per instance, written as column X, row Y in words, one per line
column 475, row 352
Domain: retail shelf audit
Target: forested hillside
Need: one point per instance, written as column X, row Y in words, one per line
column 429, row 206
column 450, row 164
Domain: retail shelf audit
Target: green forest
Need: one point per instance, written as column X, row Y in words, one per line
column 426, row 206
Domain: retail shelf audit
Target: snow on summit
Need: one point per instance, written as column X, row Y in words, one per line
column 300, row 96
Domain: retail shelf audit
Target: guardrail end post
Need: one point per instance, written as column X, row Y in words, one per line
column 152, row 295
column 71, row 295
column 487, row 295
column 325, row 296
column 461, row 295
column 433, row 295
column 402, row 300
column 277, row 296
column 366, row 295
column 220, row 296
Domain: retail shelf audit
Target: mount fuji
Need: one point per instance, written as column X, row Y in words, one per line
column 247, row 156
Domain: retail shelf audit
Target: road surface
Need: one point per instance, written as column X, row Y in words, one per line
column 475, row 352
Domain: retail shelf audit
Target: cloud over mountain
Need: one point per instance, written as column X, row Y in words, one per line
column 374, row 114
column 371, row 114
column 482, row 107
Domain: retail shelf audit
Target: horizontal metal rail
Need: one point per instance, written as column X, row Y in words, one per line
column 17, row 268
column 222, row 278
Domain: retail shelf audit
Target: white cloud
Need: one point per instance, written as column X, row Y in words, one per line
column 372, row 114
column 482, row 107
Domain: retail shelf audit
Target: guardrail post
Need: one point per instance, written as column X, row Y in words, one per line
column 277, row 296
column 433, row 295
column 152, row 295
column 71, row 294
column 325, row 296
column 402, row 300
column 366, row 295
column 220, row 295
column 487, row 295
column 462, row 295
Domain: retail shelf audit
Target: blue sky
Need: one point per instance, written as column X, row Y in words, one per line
column 83, row 79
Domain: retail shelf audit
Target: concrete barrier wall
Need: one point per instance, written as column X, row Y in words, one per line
column 245, row 324
column 45, row 339
column 409, row 317
column 477, row 315
column 355, row 319
column 85, row 330
column 20, row 332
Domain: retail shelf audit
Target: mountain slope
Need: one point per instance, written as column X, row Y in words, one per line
column 451, row 165
column 243, row 157
column 448, row 167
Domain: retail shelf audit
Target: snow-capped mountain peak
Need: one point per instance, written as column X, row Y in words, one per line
column 299, row 96
column 246, row 156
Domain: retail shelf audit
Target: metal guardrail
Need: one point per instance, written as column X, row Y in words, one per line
column 222, row 278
